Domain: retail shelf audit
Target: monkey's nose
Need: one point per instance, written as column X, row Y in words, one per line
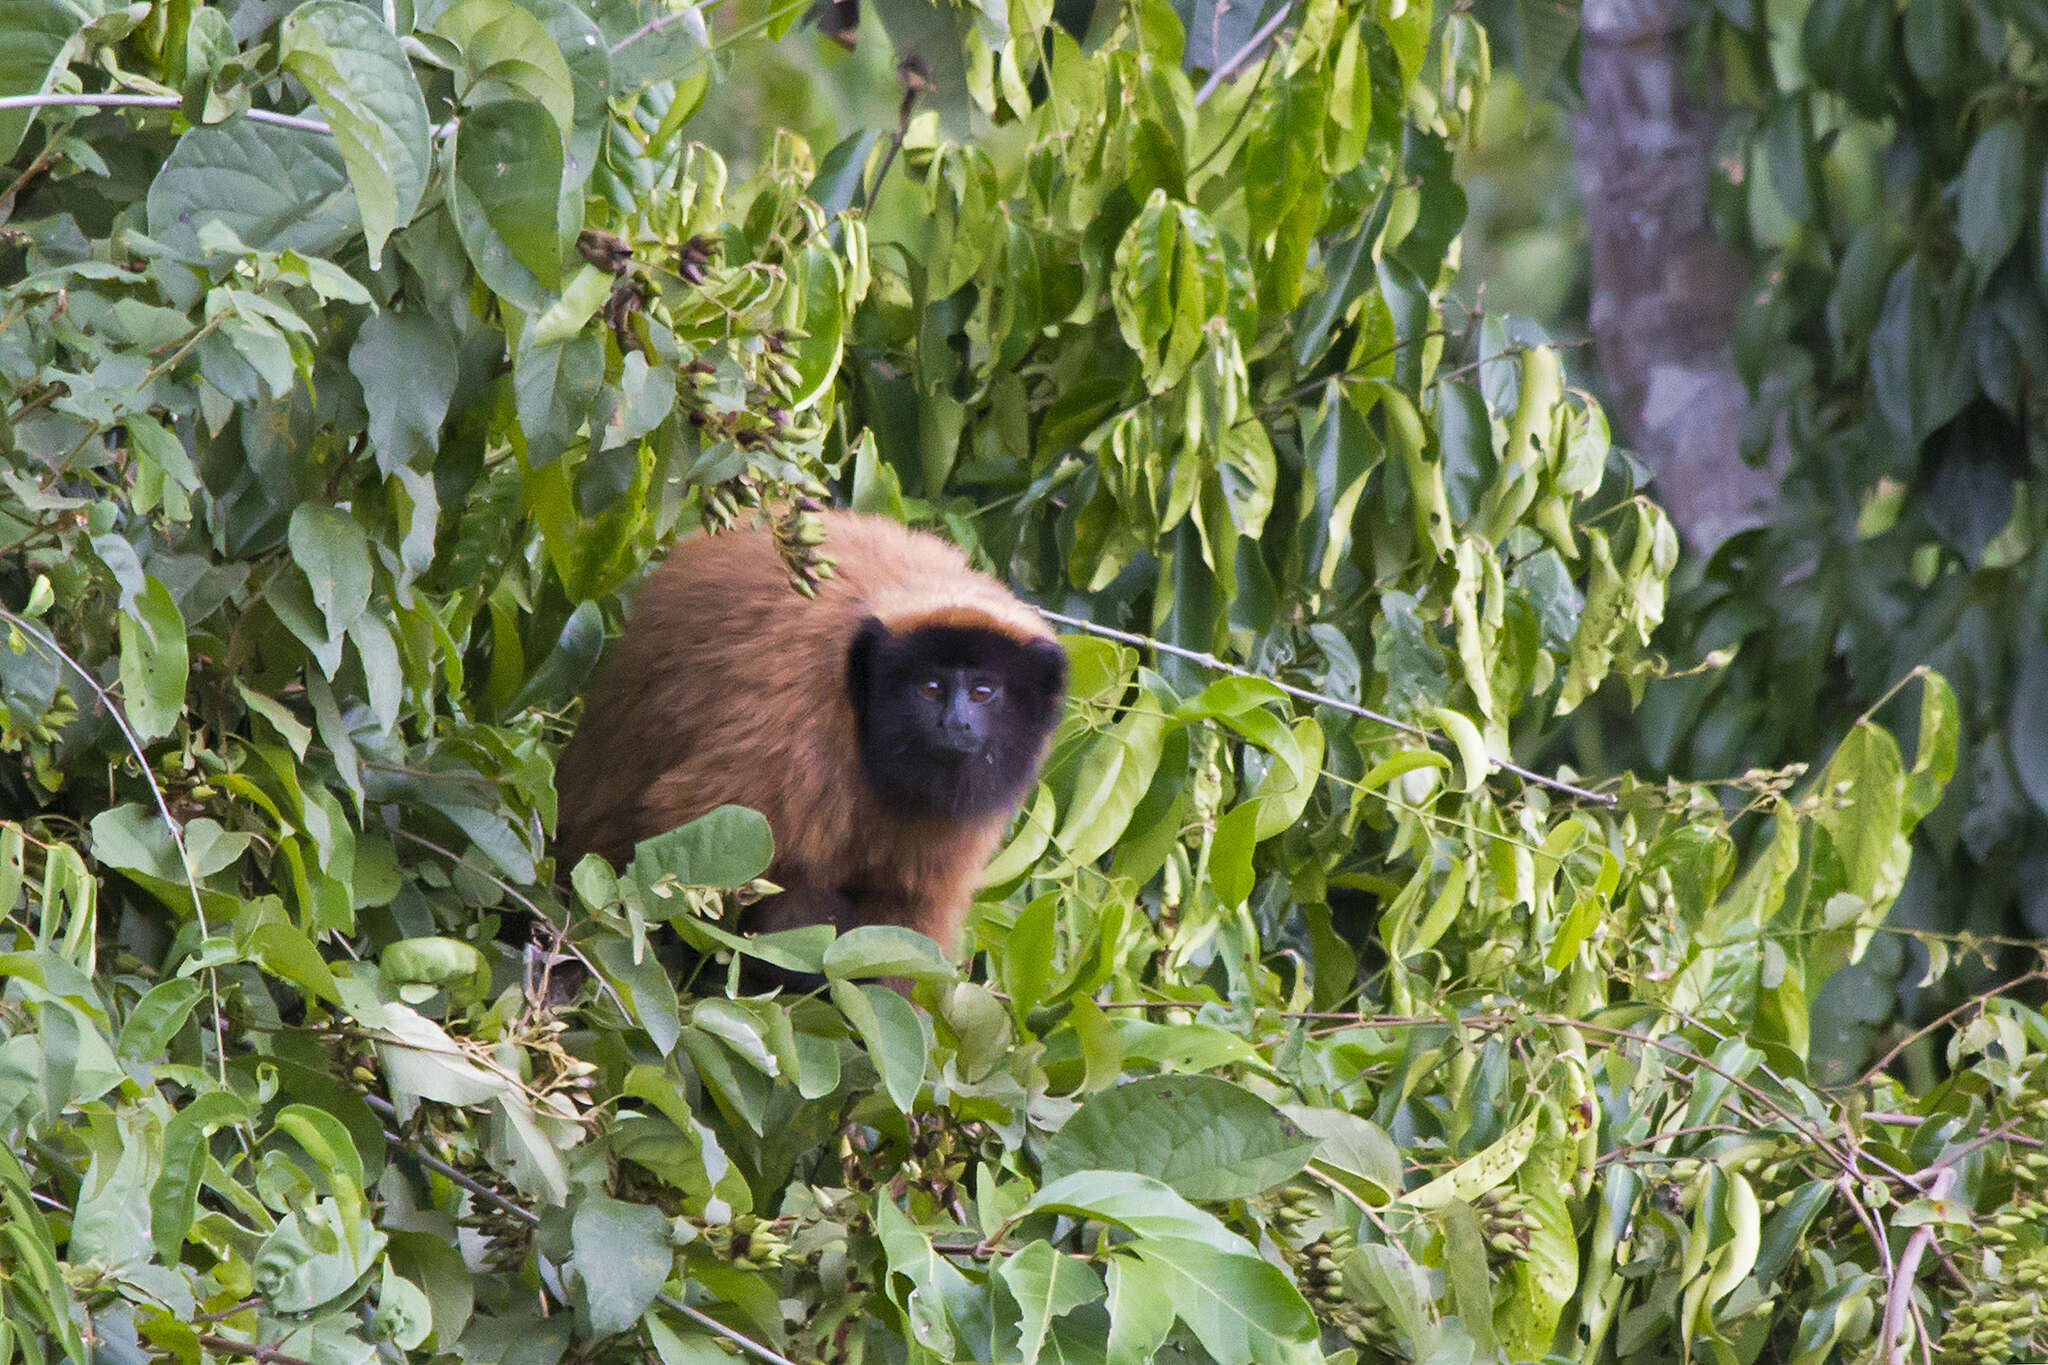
column 956, row 740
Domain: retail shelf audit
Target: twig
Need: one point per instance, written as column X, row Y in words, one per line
column 253, row 1301
column 1899, row 1290
column 1813, row 1133
column 44, row 160
column 559, row 932
column 739, row 1340
column 380, row 1105
column 163, row 809
column 1210, row 661
column 1366, row 1211
column 1917, row 1034
column 915, row 81
column 115, row 100
column 1242, row 110
column 1242, row 55
column 263, row 1355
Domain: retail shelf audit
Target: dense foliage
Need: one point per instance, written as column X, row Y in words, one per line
column 335, row 438
column 1883, row 168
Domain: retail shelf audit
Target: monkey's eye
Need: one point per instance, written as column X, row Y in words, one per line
column 930, row 688
column 981, row 692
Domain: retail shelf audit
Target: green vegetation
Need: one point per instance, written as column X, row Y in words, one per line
column 329, row 455
column 1883, row 170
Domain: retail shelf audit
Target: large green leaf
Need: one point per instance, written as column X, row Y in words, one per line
column 153, row 662
column 1992, row 196
column 622, row 1258
column 275, row 188
column 1239, row 1307
column 40, row 38
column 508, row 165
column 1202, row 1135
column 357, row 72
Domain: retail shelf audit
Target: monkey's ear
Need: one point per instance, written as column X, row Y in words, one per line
column 862, row 657
column 1047, row 665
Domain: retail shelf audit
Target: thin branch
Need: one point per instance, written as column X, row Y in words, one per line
column 650, row 28
column 739, row 1340
column 163, row 809
column 1366, row 1211
column 559, row 932
column 47, row 158
column 1251, row 97
column 115, row 100
column 1210, row 661
column 1899, row 1292
column 697, row 59
column 1917, row 1034
column 382, row 1106
column 256, row 1351
column 1242, row 55
column 254, row 1301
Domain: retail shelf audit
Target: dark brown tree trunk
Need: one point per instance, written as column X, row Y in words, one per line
column 1665, row 289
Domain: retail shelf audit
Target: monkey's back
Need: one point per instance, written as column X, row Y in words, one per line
column 728, row 687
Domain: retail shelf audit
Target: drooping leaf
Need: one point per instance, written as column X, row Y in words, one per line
column 1206, row 1137
column 357, row 72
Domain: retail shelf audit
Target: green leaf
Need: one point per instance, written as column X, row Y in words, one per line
column 1112, row 780
column 157, row 1017
column 568, row 665
column 312, row 1258
column 1170, row 281
column 357, row 72
column 886, row 950
column 406, row 365
column 431, row 960
column 41, row 38
column 133, row 838
column 507, row 56
column 897, row 1037
column 675, row 1347
column 288, row 954
column 404, row 1313
column 2029, row 724
column 1205, row 1137
column 1047, row 1285
column 1239, row 1307
column 110, row 1225
column 1934, row 757
column 508, row 168
column 154, row 669
column 1230, row 854
column 584, row 294
column 383, row 678
column 1025, row 963
column 554, row 386
column 1140, row 1313
column 724, row 847
column 622, row 1260
column 276, row 189
column 332, row 550
column 174, row 1198
column 1862, row 805
column 1473, row 761
column 1992, row 196
column 1356, row 1150
column 1136, row 1203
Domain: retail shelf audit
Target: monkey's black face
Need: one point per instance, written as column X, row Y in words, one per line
column 952, row 718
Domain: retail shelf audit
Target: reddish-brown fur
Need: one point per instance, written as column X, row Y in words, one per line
column 730, row 688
